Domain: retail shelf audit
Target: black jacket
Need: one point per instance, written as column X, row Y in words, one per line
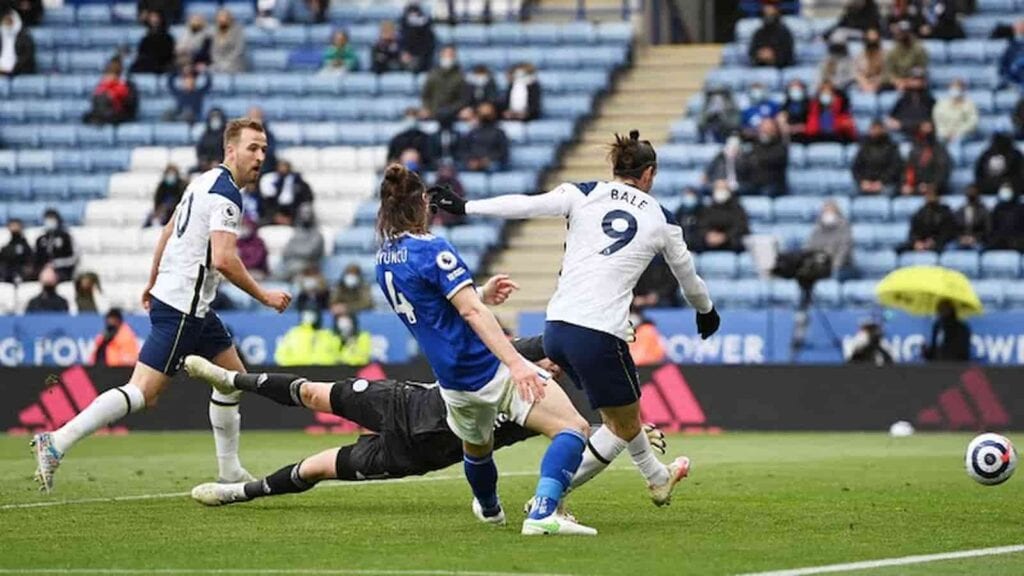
column 416, row 33
column 477, row 94
column 980, row 224
column 935, row 222
column 485, row 141
column 386, row 57
column 16, row 260
column 156, row 53
column 412, row 138
column 1000, row 163
column 776, row 36
column 25, row 53
column 878, row 160
column 913, row 108
column 533, row 100
column 928, row 162
column 729, row 218
column 956, row 341
column 272, row 201
column 171, row 9
column 765, row 163
column 1007, row 227
column 210, row 147
column 47, row 302
column 57, row 248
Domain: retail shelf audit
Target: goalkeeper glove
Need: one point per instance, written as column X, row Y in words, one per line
column 656, row 437
column 707, row 323
column 444, row 198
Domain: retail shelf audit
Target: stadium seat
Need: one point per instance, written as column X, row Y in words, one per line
column 356, row 240
column 359, row 83
column 871, row 209
column 904, row 207
column 1001, row 264
column 134, row 134
column 759, row 208
column 1013, row 295
column 8, row 162
column 892, row 235
column 517, row 182
column 990, row 292
column 859, row 292
column 746, row 293
column 474, row 237
column 717, row 265
column 963, row 261
column 825, row 155
column 875, row 263
column 35, row 160
column 918, row 259
column 28, row 86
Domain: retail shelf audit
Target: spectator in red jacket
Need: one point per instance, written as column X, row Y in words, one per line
column 829, row 118
column 110, row 99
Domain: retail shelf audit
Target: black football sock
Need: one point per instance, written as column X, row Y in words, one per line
column 281, row 388
column 284, row 481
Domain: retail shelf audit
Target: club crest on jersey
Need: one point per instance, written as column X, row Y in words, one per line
column 447, row 261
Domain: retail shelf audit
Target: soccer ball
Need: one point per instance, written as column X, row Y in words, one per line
column 990, row 459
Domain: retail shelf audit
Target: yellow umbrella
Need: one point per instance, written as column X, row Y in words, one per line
column 918, row 289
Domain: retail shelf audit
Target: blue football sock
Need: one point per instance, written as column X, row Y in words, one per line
column 483, row 479
column 557, row 468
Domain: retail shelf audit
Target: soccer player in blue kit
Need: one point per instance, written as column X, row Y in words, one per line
column 478, row 370
column 615, row 229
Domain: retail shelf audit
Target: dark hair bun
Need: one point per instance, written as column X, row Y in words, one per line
column 634, row 134
column 395, row 173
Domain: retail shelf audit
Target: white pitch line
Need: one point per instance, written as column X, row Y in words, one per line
column 269, row 571
column 886, row 562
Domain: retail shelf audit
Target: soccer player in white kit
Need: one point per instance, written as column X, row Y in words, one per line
column 615, row 229
column 196, row 248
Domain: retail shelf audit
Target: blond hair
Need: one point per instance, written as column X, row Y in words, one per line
column 233, row 131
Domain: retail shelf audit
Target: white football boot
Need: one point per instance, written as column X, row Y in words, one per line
column 215, row 494
column 47, row 460
column 661, row 495
column 555, row 525
column 202, row 369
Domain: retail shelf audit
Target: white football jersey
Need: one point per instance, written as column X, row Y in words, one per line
column 614, row 231
column 186, row 281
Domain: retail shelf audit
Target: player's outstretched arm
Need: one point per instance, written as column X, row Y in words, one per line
column 482, row 321
column 224, row 258
column 154, row 268
column 557, row 202
column 680, row 261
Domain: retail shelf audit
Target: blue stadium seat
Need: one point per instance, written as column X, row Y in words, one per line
column 269, row 59
column 366, row 213
column 531, row 157
column 859, row 292
column 745, row 266
column 731, row 78
column 517, row 182
column 1013, row 295
column 828, row 155
column 791, row 236
column 864, row 235
column 50, row 188
column 747, row 293
column 810, row 52
column 996, row 6
column 243, row 12
column 961, row 179
column 16, row 136
column 72, row 86
column 717, row 265
column 937, row 53
column 109, row 159
column 8, row 164
column 542, row 33
column 675, row 155
column 783, row 292
column 759, row 208
column 361, row 239
column 60, row 135
column 892, row 235
column 965, row 261
column 506, row 34
column 795, row 209
column 828, row 293
column 134, row 134
column 470, row 35
column 63, row 15
column 359, row 83
column 12, row 111
column 289, row 36
column 684, row 130
column 257, row 37
column 477, row 238
column 35, row 160
column 620, row 33
column 918, row 259
column 31, row 213
column 567, row 58
column 17, row 187
column 319, row 134
column 578, row 33
column 875, row 263
column 475, row 184
column 1006, row 100
column 734, row 55
column 170, row 134
column 990, row 292
column 47, row 110
column 807, row 182
column 397, row 83
column 988, row 125
column 904, row 207
column 28, row 86
column 93, row 14
column 1001, row 264
column 807, row 74
column 87, row 187
column 984, row 100
column 91, row 61
column 92, row 136
column 863, row 103
column 871, row 209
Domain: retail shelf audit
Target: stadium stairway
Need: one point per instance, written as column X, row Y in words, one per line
column 648, row 97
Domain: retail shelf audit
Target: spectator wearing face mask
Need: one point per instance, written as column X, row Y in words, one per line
column 763, row 166
column 340, row 56
column 869, row 66
column 227, row 51
column 760, row 106
column 55, row 247
column 951, row 337
column 386, row 54
column 833, row 236
column 686, row 214
column 352, row 291
column 47, row 300
column 906, row 56
column 188, row 98
column 155, row 54
column 355, row 346
column 1011, row 65
column 412, row 137
column 868, row 347
column 17, row 48
column 307, row 343
column 646, row 348
column 485, row 147
column 210, row 148
column 305, row 248
column 89, row 294
column 168, row 194
column 973, row 222
column 523, row 99
column 858, row 17
column 117, row 345
column 829, row 118
column 193, row 48
column 313, row 291
column 878, row 167
column 772, row 43
column 1007, row 222
column 1000, row 164
column 252, row 250
column 928, row 164
column 445, row 90
column 792, row 117
column 480, row 88
column 722, row 225
column 838, row 67
column 913, row 107
column 284, row 191
column 17, row 262
column 933, row 226
column 416, row 38
column 725, row 166
column 719, row 116
column 956, row 115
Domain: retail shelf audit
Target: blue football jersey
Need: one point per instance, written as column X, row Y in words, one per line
column 419, row 274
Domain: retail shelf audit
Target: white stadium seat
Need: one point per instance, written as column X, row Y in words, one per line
column 149, row 158
column 333, row 185
column 372, row 158
column 134, row 184
column 66, row 290
column 87, row 239
column 125, row 240
column 118, row 267
column 117, row 213
column 184, row 157
column 25, row 292
column 8, row 297
column 337, row 213
column 338, row 159
column 303, row 158
column 275, row 237
column 124, row 294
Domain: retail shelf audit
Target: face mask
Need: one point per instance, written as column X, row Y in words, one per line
column 50, row 224
column 412, row 165
column 956, row 92
column 310, row 317
column 195, row 28
column 344, row 325
column 756, row 95
column 223, row 26
column 1005, row 193
column 16, row 233
column 764, row 137
column 309, row 284
column 825, row 98
column 796, row 94
column 873, row 44
column 878, row 137
column 521, row 75
column 478, row 79
column 447, row 63
column 732, row 144
column 721, row 195
column 170, row 180
column 829, row 219
column 350, row 281
column 216, row 123
column 689, row 201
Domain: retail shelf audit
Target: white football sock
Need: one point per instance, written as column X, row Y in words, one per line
column 643, row 456
column 106, row 409
column 602, row 447
column 226, row 423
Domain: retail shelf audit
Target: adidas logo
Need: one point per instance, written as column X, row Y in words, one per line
column 65, row 396
column 668, row 402
column 971, row 405
column 331, row 424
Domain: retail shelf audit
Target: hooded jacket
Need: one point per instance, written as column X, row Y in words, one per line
column 17, row 49
column 878, row 160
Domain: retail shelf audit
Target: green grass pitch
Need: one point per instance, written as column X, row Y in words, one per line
column 754, row 502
